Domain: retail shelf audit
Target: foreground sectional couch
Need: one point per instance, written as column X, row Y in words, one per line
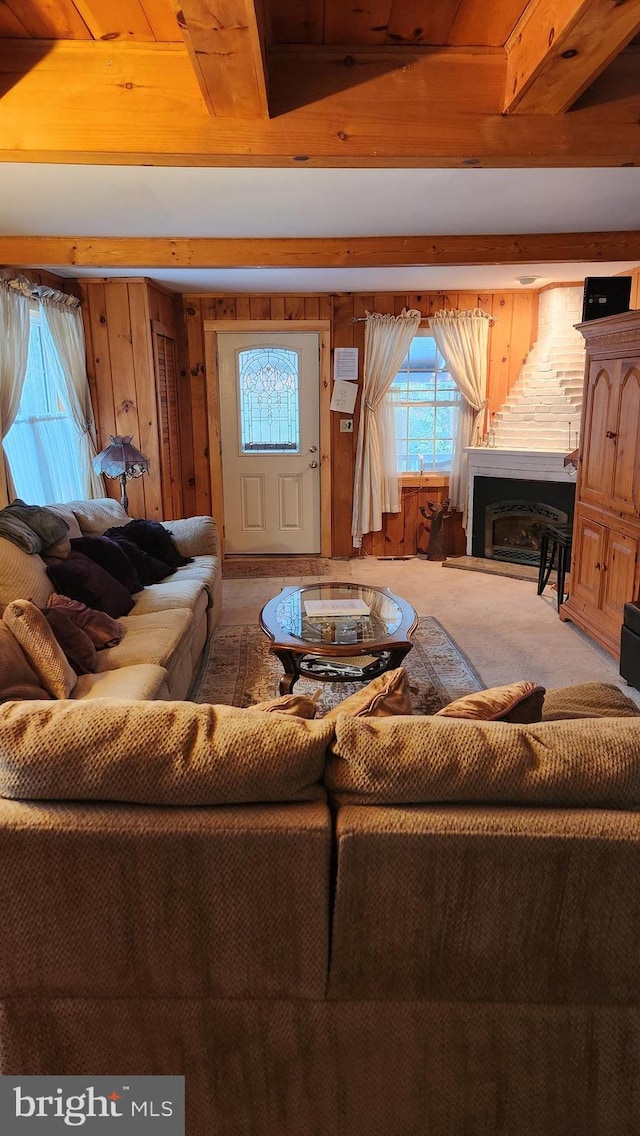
column 166, row 631
column 360, row 927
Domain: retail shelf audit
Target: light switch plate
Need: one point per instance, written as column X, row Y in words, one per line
column 346, row 425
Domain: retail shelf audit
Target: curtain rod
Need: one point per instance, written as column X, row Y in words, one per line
column 43, row 292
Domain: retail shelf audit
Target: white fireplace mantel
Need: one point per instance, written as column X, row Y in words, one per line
column 525, row 465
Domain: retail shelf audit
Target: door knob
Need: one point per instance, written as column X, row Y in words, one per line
column 313, row 449
column 313, row 465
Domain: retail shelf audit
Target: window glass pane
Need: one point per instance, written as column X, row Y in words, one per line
column 268, row 387
column 425, row 400
column 42, row 446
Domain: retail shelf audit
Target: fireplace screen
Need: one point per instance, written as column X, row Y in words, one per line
column 513, row 529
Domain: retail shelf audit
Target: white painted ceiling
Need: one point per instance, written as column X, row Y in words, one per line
column 66, row 200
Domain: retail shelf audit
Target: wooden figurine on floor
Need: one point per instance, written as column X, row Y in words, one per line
column 435, row 516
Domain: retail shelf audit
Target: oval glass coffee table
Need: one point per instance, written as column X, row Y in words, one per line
column 337, row 632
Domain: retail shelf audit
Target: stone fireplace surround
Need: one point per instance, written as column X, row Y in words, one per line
column 532, row 471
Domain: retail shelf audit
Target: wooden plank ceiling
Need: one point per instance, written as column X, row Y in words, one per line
column 324, row 82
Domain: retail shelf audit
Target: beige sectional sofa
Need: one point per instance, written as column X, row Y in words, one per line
column 359, row 927
column 164, row 634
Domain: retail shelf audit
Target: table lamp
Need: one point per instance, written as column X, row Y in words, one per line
column 122, row 460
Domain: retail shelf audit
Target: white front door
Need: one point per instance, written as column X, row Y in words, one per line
column 269, row 420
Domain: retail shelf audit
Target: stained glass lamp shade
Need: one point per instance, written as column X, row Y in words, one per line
column 122, row 460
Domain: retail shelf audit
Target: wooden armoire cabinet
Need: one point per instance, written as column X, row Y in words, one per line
column 605, row 562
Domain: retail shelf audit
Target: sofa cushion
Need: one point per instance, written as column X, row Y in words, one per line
column 78, row 648
column 587, row 700
column 39, row 644
column 387, row 694
column 22, row 576
column 18, row 679
column 142, row 680
column 153, row 638
column 110, row 556
column 459, row 904
column 102, row 629
column 173, row 593
column 426, row 760
column 515, row 702
column 166, row 753
column 96, row 516
column 205, row 569
column 82, row 579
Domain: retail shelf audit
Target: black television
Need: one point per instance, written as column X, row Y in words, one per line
column 605, row 296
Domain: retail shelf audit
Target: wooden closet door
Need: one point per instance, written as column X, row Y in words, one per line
column 625, row 479
column 619, row 576
column 588, row 559
column 598, row 423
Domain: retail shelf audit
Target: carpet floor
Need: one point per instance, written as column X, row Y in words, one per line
column 239, row 670
column 249, row 567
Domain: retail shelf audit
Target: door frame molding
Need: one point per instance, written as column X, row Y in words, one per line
column 323, row 330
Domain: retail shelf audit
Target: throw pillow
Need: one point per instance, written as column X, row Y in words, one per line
column 110, row 556
column 156, row 752
column 152, row 537
column 387, row 694
column 102, row 630
column 69, row 516
column 588, row 700
column 39, row 644
column 76, row 644
column 82, row 579
column 93, row 517
column 148, row 569
column 17, row 677
column 298, row 705
column 516, row 702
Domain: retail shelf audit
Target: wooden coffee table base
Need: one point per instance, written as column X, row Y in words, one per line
column 292, row 660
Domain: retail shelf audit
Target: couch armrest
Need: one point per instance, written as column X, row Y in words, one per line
column 195, row 536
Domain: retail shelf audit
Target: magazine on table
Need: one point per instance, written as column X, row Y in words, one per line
column 333, row 608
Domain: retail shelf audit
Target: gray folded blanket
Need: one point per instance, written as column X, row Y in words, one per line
column 32, row 527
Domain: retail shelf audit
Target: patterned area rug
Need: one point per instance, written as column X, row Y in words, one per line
column 239, row 670
column 243, row 568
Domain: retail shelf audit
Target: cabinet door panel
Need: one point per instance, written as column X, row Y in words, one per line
column 588, row 558
column 625, row 495
column 621, row 556
column 597, row 448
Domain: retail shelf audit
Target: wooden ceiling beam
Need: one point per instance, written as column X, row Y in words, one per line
column 140, row 103
column 226, row 45
column 557, row 50
column 318, row 252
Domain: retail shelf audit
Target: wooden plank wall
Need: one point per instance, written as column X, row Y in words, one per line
column 120, row 367
column 511, row 337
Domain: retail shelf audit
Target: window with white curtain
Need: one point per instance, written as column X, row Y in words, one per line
column 42, row 445
column 425, row 403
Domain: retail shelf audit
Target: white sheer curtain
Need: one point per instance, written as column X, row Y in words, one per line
column 14, row 350
column 462, row 338
column 375, row 491
column 63, row 319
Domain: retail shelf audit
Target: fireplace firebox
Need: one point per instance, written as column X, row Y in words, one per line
column 508, row 515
